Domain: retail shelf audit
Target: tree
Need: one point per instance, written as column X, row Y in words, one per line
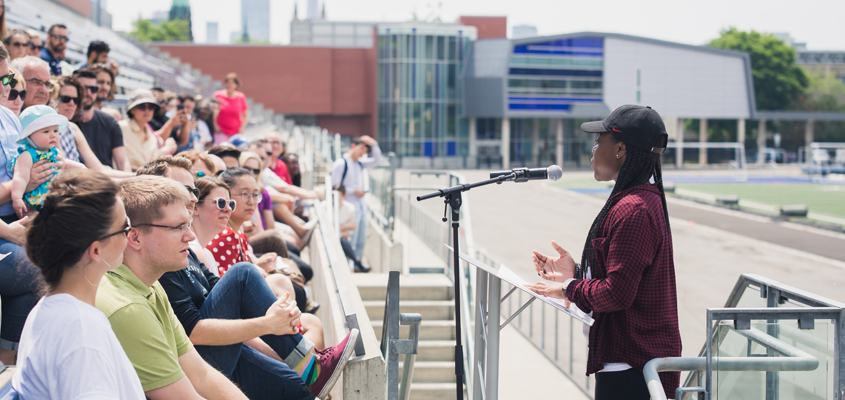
column 168, row 31
column 778, row 81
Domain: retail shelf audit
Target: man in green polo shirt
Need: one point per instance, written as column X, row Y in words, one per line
column 137, row 306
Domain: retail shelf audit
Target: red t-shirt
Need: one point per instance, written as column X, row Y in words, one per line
column 281, row 169
column 228, row 249
column 231, row 109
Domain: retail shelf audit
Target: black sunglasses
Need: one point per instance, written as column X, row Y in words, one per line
column 221, row 204
column 64, row 99
column 14, row 93
column 93, row 89
column 34, row 47
column 255, row 171
column 124, row 231
column 6, row 79
column 194, row 190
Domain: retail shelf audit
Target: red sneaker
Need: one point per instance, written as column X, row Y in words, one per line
column 332, row 361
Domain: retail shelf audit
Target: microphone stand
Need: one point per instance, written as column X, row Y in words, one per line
column 453, row 200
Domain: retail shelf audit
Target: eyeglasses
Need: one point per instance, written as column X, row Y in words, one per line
column 36, row 47
column 14, row 94
column 38, row 82
column 124, row 231
column 178, row 228
column 6, row 79
column 255, row 171
column 60, row 37
column 222, row 202
column 255, row 197
column 93, row 89
column 194, row 191
column 200, row 174
column 18, row 44
column 64, row 99
column 145, row 107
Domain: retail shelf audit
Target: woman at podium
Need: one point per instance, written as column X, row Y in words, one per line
column 626, row 278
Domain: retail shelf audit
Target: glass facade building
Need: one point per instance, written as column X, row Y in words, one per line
column 420, row 69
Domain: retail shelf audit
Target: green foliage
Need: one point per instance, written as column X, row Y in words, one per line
column 823, row 93
column 168, row 31
column 778, row 81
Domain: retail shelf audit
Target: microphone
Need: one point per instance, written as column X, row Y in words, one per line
column 551, row 173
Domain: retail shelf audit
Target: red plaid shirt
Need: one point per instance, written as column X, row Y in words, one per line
column 632, row 291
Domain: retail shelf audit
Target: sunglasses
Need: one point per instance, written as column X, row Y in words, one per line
column 63, row 99
column 145, row 107
column 34, row 47
column 195, row 191
column 255, row 171
column 200, row 174
column 6, row 79
column 221, row 204
column 60, row 37
column 14, row 94
column 93, row 89
column 18, row 44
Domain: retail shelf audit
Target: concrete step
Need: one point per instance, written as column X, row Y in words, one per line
column 430, row 310
column 436, row 350
column 411, row 287
column 433, row 391
column 432, row 372
column 429, row 330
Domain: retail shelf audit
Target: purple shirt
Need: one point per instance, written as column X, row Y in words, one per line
column 265, row 204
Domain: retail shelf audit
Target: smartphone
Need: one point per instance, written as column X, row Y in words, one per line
column 180, row 107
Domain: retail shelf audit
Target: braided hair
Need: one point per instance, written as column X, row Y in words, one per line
column 639, row 167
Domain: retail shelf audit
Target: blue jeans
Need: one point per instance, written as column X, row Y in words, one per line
column 242, row 293
column 359, row 237
column 20, row 287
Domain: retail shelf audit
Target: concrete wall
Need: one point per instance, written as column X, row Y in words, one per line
column 83, row 7
column 675, row 81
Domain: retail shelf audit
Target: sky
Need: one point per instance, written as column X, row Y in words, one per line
column 818, row 23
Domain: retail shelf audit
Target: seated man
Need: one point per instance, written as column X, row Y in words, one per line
column 137, row 307
column 221, row 314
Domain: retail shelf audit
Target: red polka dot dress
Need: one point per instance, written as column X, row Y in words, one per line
column 228, row 248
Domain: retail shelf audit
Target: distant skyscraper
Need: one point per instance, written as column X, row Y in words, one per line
column 256, row 19
column 313, row 9
column 181, row 9
column 520, row 31
column 211, row 33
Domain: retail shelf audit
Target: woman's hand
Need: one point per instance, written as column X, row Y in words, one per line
column 553, row 290
column 555, row 269
column 267, row 262
column 16, row 231
column 282, row 317
column 39, row 173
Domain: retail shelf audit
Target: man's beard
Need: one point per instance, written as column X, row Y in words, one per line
column 87, row 107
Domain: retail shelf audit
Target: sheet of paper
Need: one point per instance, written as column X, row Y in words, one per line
column 505, row 274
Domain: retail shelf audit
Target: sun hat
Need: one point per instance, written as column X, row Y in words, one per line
column 36, row 118
column 639, row 126
column 141, row 96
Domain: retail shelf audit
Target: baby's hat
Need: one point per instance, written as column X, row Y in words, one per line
column 36, row 118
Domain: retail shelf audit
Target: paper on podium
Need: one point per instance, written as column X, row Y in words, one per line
column 504, row 273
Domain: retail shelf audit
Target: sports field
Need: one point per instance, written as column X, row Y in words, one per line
column 825, row 199
column 820, row 199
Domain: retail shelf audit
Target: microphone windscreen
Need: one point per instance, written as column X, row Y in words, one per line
column 554, row 173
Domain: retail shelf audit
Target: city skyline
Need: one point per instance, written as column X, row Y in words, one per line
column 816, row 23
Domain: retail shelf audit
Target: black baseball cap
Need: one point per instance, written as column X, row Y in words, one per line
column 638, row 126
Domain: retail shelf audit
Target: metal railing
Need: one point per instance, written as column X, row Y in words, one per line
column 392, row 346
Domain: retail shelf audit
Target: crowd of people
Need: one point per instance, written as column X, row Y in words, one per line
column 152, row 251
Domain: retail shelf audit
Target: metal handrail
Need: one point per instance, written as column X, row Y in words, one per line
column 392, row 346
column 794, row 360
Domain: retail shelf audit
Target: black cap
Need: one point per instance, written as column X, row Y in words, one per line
column 638, row 126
